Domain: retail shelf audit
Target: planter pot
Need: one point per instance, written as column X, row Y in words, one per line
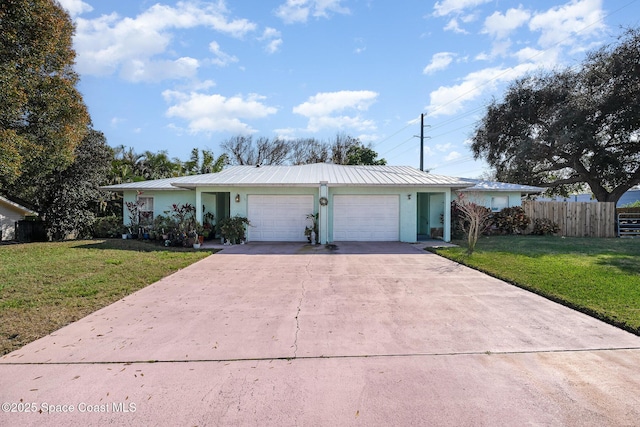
column 145, row 236
column 196, row 246
column 124, row 236
column 201, row 239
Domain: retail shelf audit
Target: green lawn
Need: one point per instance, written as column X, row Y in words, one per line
column 600, row 277
column 44, row 286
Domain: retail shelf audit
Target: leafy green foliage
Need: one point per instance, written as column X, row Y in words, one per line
column 233, row 229
column 358, row 154
column 511, row 220
column 107, row 226
column 635, row 204
column 545, row 227
column 42, row 116
column 567, row 128
column 69, row 205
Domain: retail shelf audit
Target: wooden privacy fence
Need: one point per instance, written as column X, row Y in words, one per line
column 576, row 219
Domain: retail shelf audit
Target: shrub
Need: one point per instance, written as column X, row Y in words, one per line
column 474, row 219
column 511, row 220
column 544, row 227
column 107, row 226
column 233, row 228
column 635, row 204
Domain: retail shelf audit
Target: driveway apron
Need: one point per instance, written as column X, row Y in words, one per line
column 351, row 334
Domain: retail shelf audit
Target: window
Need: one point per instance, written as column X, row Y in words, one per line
column 145, row 210
column 499, row 202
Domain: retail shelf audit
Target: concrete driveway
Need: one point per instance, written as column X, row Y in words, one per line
column 359, row 334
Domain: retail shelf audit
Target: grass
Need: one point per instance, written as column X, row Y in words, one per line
column 44, row 286
column 600, row 277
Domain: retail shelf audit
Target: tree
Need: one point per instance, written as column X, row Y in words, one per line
column 569, row 128
column 347, row 150
column 42, row 116
column 361, row 155
column 308, row 151
column 69, row 205
column 208, row 164
column 242, row 150
column 340, row 148
column 473, row 218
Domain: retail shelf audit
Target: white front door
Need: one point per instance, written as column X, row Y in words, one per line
column 372, row 218
column 278, row 218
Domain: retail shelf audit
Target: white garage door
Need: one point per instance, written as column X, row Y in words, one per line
column 278, row 218
column 366, row 218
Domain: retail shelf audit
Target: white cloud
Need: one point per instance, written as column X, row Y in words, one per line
column 453, row 25
column 443, row 147
column 156, row 71
column 454, row 155
column 221, row 59
column 273, row 39
column 448, row 7
column 448, row 100
column 110, row 43
column 75, row 7
column 548, row 58
column 216, row 113
column 564, row 24
column 299, row 10
column 439, row 61
column 326, row 110
column 500, row 26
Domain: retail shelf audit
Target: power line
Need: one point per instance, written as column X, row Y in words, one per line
column 413, row 121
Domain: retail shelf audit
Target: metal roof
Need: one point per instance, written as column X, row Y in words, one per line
column 302, row 175
column 481, row 185
column 313, row 174
column 154, row 184
column 17, row 206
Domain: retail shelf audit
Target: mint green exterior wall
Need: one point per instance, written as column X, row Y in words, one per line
column 162, row 200
column 484, row 198
column 408, row 207
column 440, row 198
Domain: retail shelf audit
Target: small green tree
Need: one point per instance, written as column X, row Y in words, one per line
column 69, row 206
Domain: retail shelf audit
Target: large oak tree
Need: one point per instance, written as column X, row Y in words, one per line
column 570, row 127
column 43, row 118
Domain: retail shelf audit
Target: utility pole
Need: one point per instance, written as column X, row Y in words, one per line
column 422, row 142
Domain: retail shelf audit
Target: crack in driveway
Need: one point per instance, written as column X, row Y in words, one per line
column 303, row 290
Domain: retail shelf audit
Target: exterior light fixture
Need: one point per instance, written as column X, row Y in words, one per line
column 408, row 196
column 237, row 198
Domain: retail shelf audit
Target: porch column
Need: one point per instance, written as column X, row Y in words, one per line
column 198, row 205
column 446, row 236
column 323, row 213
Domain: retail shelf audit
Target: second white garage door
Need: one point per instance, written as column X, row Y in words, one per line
column 278, row 218
column 366, row 218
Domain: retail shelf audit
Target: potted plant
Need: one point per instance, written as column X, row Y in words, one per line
column 233, row 229
column 311, row 231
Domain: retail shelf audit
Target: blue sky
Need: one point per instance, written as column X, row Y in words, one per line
column 175, row 75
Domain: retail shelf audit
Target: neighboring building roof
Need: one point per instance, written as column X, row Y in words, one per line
column 153, row 184
column 17, row 206
column 481, row 185
column 305, row 176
